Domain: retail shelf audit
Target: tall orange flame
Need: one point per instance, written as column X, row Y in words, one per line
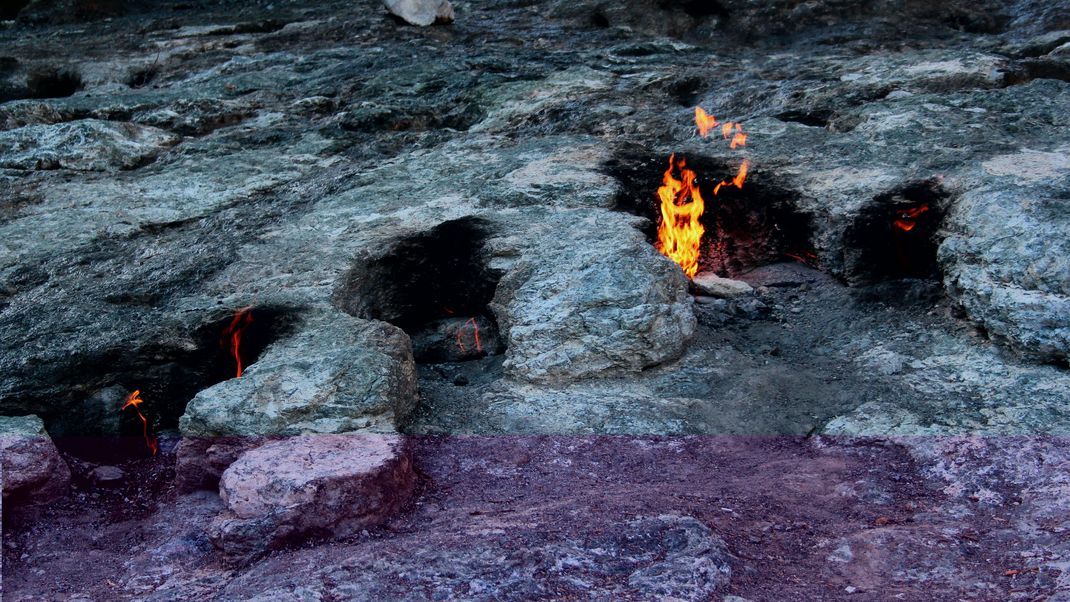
column 475, row 335
column 134, row 401
column 680, row 231
column 232, row 334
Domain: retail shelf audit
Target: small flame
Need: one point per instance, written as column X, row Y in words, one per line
column 704, row 122
column 134, row 401
column 741, row 176
column 908, row 217
column 680, row 232
column 475, row 336
column 232, row 334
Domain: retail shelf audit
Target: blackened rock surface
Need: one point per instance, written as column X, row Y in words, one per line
column 33, row 471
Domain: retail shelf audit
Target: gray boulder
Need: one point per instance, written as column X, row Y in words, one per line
column 84, row 145
column 33, row 472
column 421, row 12
column 338, row 374
column 590, row 297
column 314, row 485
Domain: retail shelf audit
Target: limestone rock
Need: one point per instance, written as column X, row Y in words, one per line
column 313, row 485
column 84, row 145
column 725, row 288
column 422, row 12
column 33, row 471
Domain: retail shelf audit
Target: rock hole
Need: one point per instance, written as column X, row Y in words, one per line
column 896, row 236
column 86, row 417
column 9, row 9
column 599, row 19
column 703, row 8
column 745, row 228
column 142, row 77
column 53, row 83
column 434, row 285
column 816, row 118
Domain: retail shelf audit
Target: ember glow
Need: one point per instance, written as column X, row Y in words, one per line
column 908, row 217
column 232, row 334
column 680, row 230
column 134, row 401
column 475, row 336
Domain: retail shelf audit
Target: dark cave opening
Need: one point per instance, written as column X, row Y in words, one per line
column 436, row 286
column 53, row 83
column 89, row 420
column 746, row 227
column 896, row 236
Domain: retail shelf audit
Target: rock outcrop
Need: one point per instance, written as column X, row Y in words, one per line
column 422, row 12
column 85, row 145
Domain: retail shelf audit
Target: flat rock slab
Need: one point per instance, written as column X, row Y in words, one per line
column 33, row 471
column 310, row 486
column 725, row 288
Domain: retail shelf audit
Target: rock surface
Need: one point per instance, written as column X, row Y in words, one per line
column 310, row 486
column 422, row 12
column 715, row 286
column 33, row 471
column 86, row 145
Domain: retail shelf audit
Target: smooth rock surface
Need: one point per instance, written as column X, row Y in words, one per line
column 33, row 471
column 313, row 485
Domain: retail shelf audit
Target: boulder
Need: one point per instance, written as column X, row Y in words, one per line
column 590, row 297
column 310, row 486
column 724, row 288
column 422, row 12
column 33, row 471
column 338, row 374
column 83, row 145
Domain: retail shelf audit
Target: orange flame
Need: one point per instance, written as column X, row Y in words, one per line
column 134, row 401
column 232, row 334
column 741, row 176
column 680, row 232
column 908, row 217
column 475, row 335
column 704, row 122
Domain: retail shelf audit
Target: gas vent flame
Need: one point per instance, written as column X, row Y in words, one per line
column 134, row 401
column 908, row 218
column 680, row 229
column 680, row 232
column 473, row 328
column 232, row 334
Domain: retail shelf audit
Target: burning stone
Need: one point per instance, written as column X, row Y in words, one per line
column 311, row 486
column 725, row 288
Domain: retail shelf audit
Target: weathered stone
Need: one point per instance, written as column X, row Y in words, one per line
column 313, row 485
column 337, row 374
column 422, row 12
column 725, row 288
column 456, row 339
column 33, row 471
column 86, row 145
column 589, row 297
column 200, row 461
